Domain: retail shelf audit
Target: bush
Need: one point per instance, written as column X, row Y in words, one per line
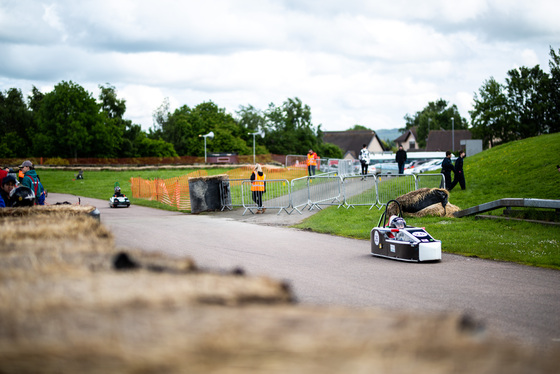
column 56, row 161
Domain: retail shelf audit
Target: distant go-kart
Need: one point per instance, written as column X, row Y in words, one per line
column 119, row 201
column 396, row 240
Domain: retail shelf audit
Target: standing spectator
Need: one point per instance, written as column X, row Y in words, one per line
column 400, row 158
column 459, row 176
column 8, row 184
column 258, row 187
column 364, row 160
column 31, row 180
column 446, row 169
column 311, row 162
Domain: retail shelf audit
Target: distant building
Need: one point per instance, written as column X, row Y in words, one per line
column 441, row 140
column 351, row 142
column 408, row 140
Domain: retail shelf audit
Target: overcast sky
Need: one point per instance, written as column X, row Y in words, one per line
column 353, row 62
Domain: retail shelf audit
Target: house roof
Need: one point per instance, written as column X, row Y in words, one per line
column 406, row 135
column 440, row 140
column 352, row 141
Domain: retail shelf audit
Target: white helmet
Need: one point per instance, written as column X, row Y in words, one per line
column 397, row 222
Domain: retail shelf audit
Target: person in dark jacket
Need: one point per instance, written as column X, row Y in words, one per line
column 446, row 169
column 8, row 184
column 459, row 174
column 401, row 158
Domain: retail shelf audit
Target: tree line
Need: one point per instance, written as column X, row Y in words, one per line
column 527, row 105
column 69, row 122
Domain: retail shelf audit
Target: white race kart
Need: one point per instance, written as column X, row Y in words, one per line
column 119, row 201
column 405, row 243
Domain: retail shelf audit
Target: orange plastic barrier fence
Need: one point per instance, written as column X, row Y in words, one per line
column 171, row 191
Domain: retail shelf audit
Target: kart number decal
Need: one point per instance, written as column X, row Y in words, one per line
column 376, row 237
column 392, row 248
column 420, row 233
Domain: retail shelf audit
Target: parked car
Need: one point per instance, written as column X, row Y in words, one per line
column 414, row 164
column 428, row 166
column 389, row 168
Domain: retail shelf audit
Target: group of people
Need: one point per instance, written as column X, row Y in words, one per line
column 459, row 175
column 24, row 190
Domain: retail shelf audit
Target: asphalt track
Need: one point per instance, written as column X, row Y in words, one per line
column 516, row 301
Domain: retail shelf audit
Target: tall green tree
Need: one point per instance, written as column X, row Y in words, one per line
column 289, row 128
column 436, row 115
column 528, row 93
column 67, row 119
column 107, row 135
column 491, row 116
column 184, row 127
column 528, row 104
column 359, row 128
column 554, row 92
column 252, row 120
column 15, row 122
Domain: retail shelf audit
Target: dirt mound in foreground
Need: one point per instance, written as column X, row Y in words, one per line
column 73, row 303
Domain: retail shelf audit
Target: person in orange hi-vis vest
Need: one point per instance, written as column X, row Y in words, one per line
column 258, row 187
column 311, row 162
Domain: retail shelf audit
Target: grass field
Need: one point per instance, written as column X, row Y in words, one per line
column 523, row 169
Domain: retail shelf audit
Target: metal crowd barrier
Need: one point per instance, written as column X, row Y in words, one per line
column 391, row 186
column 230, row 193
column 276, row 196
column 300, row 194
column 430, row 181
column 326, row 189
column 360, row 190
column 345, row 167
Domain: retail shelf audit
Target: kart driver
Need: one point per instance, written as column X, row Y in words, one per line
column 118, row 192
column 397, row 222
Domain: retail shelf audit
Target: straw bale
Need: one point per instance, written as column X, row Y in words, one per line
column 67, row 308
column 423, row 202
column 64, row 209
column 259, row 339
column 437, row 210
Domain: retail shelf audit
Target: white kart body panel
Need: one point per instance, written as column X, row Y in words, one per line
column 429, row 251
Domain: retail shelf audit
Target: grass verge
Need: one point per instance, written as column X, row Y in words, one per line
column 521, row 242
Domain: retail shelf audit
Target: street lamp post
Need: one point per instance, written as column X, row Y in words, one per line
column 427, row 136
column 211, row 135
column 261, row 133
column 452, row 134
